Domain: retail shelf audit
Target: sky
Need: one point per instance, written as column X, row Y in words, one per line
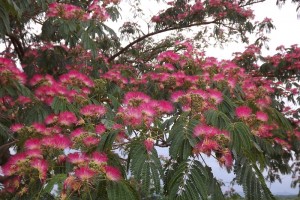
column 287, row 33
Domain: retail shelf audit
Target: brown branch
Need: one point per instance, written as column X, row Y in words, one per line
column 4, row 151
column 251, row 3
column 17, row 45
column 155, row 33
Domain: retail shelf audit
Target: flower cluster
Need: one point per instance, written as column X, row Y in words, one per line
column 66, row 11
column 72, row 86
column 140, row 110
column 69, row 11
column 9, row 72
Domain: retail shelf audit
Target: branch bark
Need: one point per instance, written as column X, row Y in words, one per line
column 17, row 45
column 123, row 50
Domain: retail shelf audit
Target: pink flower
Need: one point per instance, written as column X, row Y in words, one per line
column 67, row 118
column 85, row 173
column 93, row 110
column 11, row 184
column 99, row 158
column 164, row 106
column 155, row 19
column 23, row 100
column 112, row 173
column 16, row 127
column 77, row 158
column 177, row 95
column 40, row 128
column 100, row 128
column 79, row 132
column 216, row 95
column 91, row 141
column 243, row 111
column 262, row 116
column 226, row 158
column 147, row 109
column 12, row 166
column 207, row 145
column 34, row 153
column 149, row 144
column 32, row 143
column 51, row 119
column 205, row 130
column 170, row 56
column 41, row 166
column 58, row 141
column 136, row 98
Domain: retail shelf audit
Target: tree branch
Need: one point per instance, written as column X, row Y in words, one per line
column 17, row 45
column 110, row 59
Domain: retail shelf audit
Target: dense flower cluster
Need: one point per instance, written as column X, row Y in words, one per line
column 90, row 108
column 71, row 12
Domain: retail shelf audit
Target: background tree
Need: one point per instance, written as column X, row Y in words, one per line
column 85, row 115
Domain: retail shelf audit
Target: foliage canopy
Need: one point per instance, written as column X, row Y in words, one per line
column 87, row 117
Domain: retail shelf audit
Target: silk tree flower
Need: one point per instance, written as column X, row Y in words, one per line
column 93, row 110
column 243, row 111
column 169, row 56
column 77, row 158
column 85, row 173
column 13, row 165
column 11, row 184
column 32, row 143
column 262, row 116
column 51, row 119
column 40, row 128
column 112, row 173
column 67, row 118
column 42, row 167
column 34, row 153
column 71, row 183
column 16, row 127
column 76, row 78
column 206, row 131
column 136, row 98
column 149, row 144
column 226, row 158
column 90, row 141
column 216, row 95
column 163, row 106
column 77, row 133
column 206, row 146
column 100, row 129
column 24, row 100
column 58, row 141
column 99, row 158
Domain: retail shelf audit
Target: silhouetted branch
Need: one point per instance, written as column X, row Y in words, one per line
column 155, row 33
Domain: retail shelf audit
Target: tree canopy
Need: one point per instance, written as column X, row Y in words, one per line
column 85, row 111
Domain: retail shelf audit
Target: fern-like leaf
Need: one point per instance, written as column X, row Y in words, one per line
column 191, row 180
column 252, row 180
column 121, row 190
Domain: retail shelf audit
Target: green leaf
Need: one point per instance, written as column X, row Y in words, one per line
column 57, row 179
column 217, row 119
column 280, row 119
column 191, row 180
column 145, row 167
column 252, row 180
column 241, row 138
column 121, row 190
column 107, row 140
column 181, row 138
